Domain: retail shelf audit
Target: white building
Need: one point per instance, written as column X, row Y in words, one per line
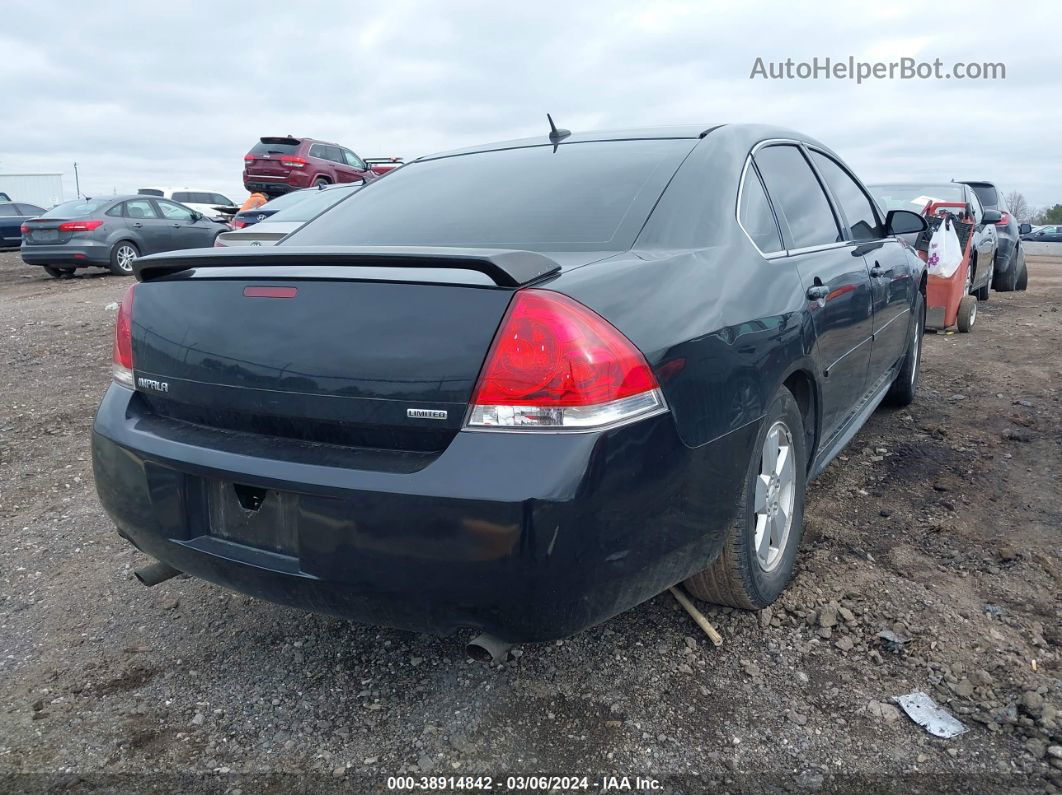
column 44, row 190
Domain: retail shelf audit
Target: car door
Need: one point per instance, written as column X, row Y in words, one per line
column 185, row 231
column 834, row 275
column 146, row 227
column 984, row 242
column 355, row 166
column 888, row 260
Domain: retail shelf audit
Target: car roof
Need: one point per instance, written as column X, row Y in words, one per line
column 914, row 183
column 633, row 134
column 171, row 190
column 739, row 135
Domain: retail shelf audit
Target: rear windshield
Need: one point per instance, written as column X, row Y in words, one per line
column 914, row 196
column 314, row 203
column 76, row 209
column 286, row 200
column 583, row 196
column 987, row 195
column 274, row 148
column 149, row 192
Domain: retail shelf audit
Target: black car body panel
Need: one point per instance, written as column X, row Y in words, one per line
column 369, row 513
column 992, row 198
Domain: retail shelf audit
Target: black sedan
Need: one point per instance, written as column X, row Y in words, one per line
column 12, row 216
column 519, row 387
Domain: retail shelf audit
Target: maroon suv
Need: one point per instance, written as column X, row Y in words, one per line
column 282, row 164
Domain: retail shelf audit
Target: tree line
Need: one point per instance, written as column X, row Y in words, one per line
column 1025, row 214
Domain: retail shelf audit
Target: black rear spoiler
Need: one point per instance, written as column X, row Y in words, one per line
column 507, row 267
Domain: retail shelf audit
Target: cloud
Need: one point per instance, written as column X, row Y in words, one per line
column 141, row 94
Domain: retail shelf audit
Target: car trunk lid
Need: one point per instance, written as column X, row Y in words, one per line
column 372, row 354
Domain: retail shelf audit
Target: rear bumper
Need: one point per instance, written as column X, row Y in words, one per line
column 528, row 536
column 276, row 185
column 82, row 253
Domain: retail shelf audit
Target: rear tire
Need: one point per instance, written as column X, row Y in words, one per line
column 1022, row 282
column 967, row 313
column 317, row 183
column 1005, row 282
column 123, row 254
column 57, row 273
column 905, row 385
column 982, row 293
column 747, row 574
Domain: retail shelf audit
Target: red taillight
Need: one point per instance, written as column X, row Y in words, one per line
column 1004, row 220
column 80, row 226
column 294, row 162
column 122, row 367
column 238, row 224
column 555, row 364
column 24, row 229
column 248, row 158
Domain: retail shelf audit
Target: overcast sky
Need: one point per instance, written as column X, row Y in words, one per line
column 138, row 94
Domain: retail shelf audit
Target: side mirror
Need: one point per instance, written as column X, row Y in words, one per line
column 1024, row 229
column 991, row 217
column 196, row 216
column 904, row 222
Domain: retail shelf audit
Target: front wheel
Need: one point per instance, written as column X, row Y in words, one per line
column 759, row 553
column 123, row 255
column 320, row 182
column 904, row 386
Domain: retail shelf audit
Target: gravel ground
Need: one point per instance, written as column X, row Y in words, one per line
column 940, row 523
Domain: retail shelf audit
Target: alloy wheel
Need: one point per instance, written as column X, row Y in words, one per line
column 775, row 496
column 916, row 349
column 125, row 256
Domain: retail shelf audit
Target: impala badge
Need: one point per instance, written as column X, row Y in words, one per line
column 151, row 383
column 426, row 414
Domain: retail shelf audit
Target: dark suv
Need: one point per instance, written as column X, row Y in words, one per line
column 1010, row 258
column 279, row 165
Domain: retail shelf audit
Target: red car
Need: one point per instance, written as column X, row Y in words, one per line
column 281, row 164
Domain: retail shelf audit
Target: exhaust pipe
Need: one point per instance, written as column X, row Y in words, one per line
column 155, row 573
column 486, row 648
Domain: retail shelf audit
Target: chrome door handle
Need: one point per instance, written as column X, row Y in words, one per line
column 818, row 292
column 138, row 225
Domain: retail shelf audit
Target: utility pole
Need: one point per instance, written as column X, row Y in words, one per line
column 77, row 182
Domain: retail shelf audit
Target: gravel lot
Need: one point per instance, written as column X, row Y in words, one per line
column 940, row 523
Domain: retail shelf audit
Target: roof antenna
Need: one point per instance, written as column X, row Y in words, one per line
column 556, row 135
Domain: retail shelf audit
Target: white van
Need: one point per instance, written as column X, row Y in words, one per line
column 202, row 201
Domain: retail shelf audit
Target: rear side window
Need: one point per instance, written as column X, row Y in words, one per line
column 755, row 214
column 217, row 198
column 139, row 208
column 185, row 196
column 987, row 195
column 798, row 196
column 858, row 211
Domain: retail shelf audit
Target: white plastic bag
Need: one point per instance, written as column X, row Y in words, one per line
column 945, row 251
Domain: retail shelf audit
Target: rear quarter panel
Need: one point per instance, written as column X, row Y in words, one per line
column 722, row 328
